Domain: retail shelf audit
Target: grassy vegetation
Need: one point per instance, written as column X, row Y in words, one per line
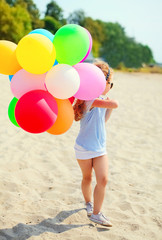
column 145, row 69
column 155, row 69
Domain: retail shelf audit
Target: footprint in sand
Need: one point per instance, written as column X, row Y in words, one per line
column 124, row 206
column 139, row 209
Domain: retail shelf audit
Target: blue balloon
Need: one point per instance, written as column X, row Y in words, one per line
column 55, row 63
column 44, row 32
column 10, row 77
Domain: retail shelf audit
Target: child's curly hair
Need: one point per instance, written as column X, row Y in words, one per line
column 79, row 106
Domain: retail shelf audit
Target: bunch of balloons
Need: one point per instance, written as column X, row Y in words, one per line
column 47, row 72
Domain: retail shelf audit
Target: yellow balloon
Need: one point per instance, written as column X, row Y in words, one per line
column 36, row 53
column 8, row 61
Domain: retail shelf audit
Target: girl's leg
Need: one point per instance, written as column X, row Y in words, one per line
column 86, row 185
column 100, row 165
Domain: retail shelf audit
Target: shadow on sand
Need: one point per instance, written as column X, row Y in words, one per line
column 24, row 231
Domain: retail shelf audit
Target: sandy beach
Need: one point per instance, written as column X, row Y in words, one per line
column 40, row 194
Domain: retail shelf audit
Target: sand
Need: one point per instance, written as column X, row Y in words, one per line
column 40, row 194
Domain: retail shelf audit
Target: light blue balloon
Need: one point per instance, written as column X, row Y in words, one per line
column 55, row 63
column 44, row 32
column 10, row 77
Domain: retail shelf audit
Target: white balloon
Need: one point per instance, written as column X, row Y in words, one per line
column 62, row 81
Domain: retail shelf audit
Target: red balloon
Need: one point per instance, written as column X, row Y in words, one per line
column 36, row 111
column 71, row 99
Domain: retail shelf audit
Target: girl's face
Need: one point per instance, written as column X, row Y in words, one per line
column 109, row 85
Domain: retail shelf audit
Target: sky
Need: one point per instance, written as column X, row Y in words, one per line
column 141, row 19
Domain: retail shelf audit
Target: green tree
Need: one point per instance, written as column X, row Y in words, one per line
column 77, row 17
column 22, row 22
column 15, row 22
column 6, row 20
column 147, row 55
column 96, row 29
column 55, row 11
column 135, row 54
column 32, row 9
column 51, row 24
column 118, row 48
column 112, row 49
column 11, row 2
column 132, row 53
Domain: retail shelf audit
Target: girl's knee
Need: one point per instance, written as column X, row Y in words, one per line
column 102, row 181
column 87, row 178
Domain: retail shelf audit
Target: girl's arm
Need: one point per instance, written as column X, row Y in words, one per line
column 105, row 103
column 108, row 114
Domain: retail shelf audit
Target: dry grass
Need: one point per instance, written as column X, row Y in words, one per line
column 154, row 69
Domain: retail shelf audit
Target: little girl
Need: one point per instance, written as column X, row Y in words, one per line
column 90, row 146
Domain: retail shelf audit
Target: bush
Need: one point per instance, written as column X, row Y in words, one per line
column 51, row 24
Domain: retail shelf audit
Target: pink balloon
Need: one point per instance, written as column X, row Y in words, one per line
column 92, row 81
column 90, row 46
column 23, row 82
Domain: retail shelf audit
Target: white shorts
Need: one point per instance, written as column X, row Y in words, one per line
column 84, row 154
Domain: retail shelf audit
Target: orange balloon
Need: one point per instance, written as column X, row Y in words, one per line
column 8, row 61
column 64, row 119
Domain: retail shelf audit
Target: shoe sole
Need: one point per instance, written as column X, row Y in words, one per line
column 101, row 223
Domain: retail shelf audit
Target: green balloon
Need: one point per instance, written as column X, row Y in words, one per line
column 11, row 111
column 71, row 43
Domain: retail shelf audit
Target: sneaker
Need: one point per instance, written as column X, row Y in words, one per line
column 89, row 208
column 100, row 219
